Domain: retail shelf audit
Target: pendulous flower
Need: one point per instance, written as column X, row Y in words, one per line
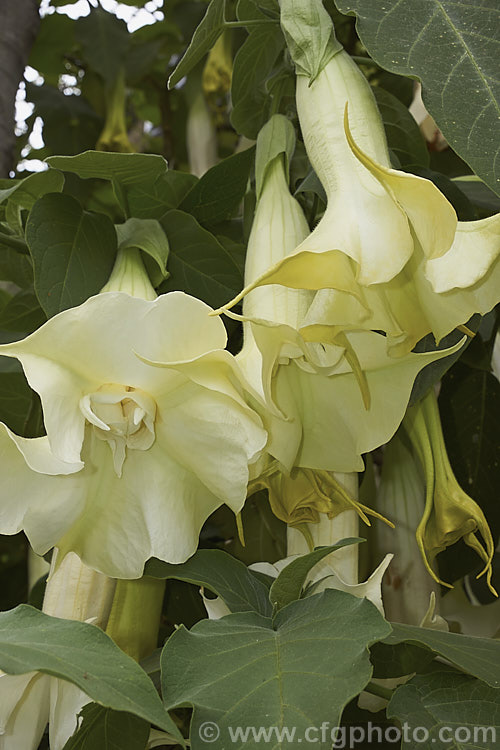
column 449, row 513
column 327, row 402
column 136, row 457
column 389, row 253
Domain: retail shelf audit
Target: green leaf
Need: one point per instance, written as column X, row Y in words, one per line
column 404, row 138
column 398, row 660
column 146, row 235
column 479, row 657
column 153, row 198
column 126, row 169
column 70, row 123
column 31, row 641
column 217, row 195
column 198, row 263
column 296, row 671
column 204, row 38
column 27, row 191
column 105, row 729
column 479, row 194
column 288, row 585
column 72, row 250
column 469, row 404
column 452, row 46
column 19, row 405
column 222, row 574
column 445, row 710
column 15, row 267
column 22, row 314
column 252, row 67
column 53, row 41
column 105, row 41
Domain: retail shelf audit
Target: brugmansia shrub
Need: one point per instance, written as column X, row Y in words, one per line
column 183, row 441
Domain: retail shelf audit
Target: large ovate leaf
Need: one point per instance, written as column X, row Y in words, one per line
column 225, row 576
column 445, row 709
column 15, row 266
column 105, row 41
column 152, row 198
column 217, row 195
column 26, row 191
column 253, row 65
column 297, row 670
column 22, row 314
column 126, row 169
column 31, row 641
column 71, row 125
column 104, row 729
column 288, row 585
column 73, row 251
column 204, row 38
column 453, row 47
column 198, row 263
column 477, row 656
column 399, row 659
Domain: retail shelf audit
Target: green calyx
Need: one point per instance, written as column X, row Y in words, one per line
column 309, row 35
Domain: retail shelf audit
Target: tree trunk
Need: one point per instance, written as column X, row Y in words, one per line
column 19, row 22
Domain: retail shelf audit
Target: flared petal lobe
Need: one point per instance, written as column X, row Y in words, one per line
column 162, row 445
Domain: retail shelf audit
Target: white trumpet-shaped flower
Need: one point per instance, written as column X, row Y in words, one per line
column 389, row 253
column 327, row 403
column 136, row 457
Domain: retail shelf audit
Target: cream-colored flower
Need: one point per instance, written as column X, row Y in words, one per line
column 389, row 253
column 136, row 456
column 327, row 402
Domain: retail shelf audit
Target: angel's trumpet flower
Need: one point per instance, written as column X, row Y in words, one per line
column 137, row 454
column 449, row 513
column 389, row 253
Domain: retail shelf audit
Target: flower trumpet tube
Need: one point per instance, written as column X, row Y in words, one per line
column 389, row 253
column 201, row 133
column 136, row 456
column 29, row 701
column 449, row 513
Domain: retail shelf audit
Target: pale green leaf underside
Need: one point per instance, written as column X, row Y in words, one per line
column 82, row 654
column 296, row 671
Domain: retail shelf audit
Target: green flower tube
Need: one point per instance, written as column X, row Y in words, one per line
column 449, row 513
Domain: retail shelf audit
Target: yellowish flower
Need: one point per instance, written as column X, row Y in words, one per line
column 136, row 457
column 327, row 403
column 389, row 253
column 449, row 513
